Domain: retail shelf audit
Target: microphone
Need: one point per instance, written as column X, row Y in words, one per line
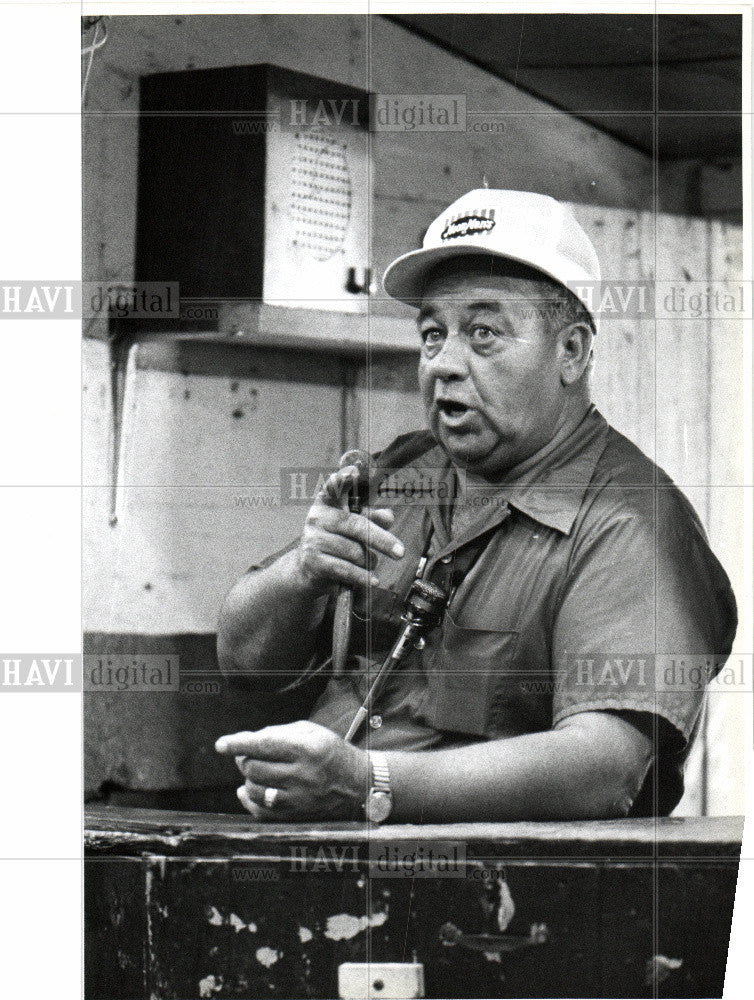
column 341, row 632
column 424, row 608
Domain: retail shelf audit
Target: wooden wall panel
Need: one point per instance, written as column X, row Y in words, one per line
column 730, row 361
column 729, row 514
column 683, row 369
column 96, row 412
column 624, row 372
column 695, row 187
column 162, row 740
column 562, row 160
column 199, row 486
column 724, row 500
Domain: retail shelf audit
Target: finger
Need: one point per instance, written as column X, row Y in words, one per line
column 343, row 548
column 346, row 573
column 234, row 744
column 249, row 806
column 361, row 529
column 273, row 743
column 248, row 798
column 256, row 793
column 382, row 516
column 258, row 812
column 265, row 773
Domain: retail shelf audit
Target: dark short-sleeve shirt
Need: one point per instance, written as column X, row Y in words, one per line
column 592, row 587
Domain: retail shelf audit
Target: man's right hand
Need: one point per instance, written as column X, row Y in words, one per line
column 338, row 546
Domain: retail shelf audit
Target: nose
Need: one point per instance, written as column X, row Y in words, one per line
column 450, row 362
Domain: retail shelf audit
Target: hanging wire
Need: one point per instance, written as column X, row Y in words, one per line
column 89, row 50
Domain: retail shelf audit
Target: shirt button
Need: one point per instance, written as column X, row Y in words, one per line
column 446, row 559
column 375, row 721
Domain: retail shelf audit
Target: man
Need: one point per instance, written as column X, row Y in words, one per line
column 576, row 572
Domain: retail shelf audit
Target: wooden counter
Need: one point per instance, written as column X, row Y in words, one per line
column 191, row 905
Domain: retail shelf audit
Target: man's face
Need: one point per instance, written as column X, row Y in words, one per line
column 489, row 372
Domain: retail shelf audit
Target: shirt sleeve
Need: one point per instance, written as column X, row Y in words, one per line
column 647, row 615
column 300, row 678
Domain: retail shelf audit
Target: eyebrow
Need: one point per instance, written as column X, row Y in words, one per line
column 470, row 308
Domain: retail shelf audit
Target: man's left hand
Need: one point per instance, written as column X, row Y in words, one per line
column 316, row 774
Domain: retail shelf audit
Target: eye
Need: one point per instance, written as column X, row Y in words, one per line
column 481, row 336
column 431, row 336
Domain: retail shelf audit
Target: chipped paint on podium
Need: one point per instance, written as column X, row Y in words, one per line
column 189, row 905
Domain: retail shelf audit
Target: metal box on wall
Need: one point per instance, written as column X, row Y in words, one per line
column 254, row 185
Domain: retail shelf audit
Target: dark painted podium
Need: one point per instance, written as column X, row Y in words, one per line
column 191, row 905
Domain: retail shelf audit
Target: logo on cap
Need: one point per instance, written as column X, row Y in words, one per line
column 469, row 224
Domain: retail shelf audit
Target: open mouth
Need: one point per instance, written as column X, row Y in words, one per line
column 450, row 408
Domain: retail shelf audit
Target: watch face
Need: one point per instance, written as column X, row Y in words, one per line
column 378, row 806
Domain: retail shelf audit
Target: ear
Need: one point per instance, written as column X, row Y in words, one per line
column 574, row 351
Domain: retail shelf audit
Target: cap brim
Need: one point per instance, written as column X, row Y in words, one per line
column 405, row 278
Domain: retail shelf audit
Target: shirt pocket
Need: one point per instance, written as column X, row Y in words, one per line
column 375, row 621
column 464, row 663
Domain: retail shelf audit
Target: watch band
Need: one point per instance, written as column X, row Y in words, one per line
column 380, row 771
column 379, row 803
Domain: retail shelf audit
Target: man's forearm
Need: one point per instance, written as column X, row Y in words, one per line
column 269, row 621
column 587, row 768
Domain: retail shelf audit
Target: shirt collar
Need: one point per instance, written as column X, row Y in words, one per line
column 549, row 486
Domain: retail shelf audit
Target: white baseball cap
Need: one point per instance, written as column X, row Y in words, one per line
column 522, row 226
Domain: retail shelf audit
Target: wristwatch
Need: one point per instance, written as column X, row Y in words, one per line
column 379, row 803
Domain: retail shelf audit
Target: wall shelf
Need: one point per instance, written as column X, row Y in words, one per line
column 266, row 324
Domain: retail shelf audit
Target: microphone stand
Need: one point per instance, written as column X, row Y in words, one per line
column 424, row 607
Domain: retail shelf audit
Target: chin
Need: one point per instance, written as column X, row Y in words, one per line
column 472, row 451
column 466, row 456
column 490, row 462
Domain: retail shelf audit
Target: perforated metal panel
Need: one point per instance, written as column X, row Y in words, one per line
column 321, row 194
